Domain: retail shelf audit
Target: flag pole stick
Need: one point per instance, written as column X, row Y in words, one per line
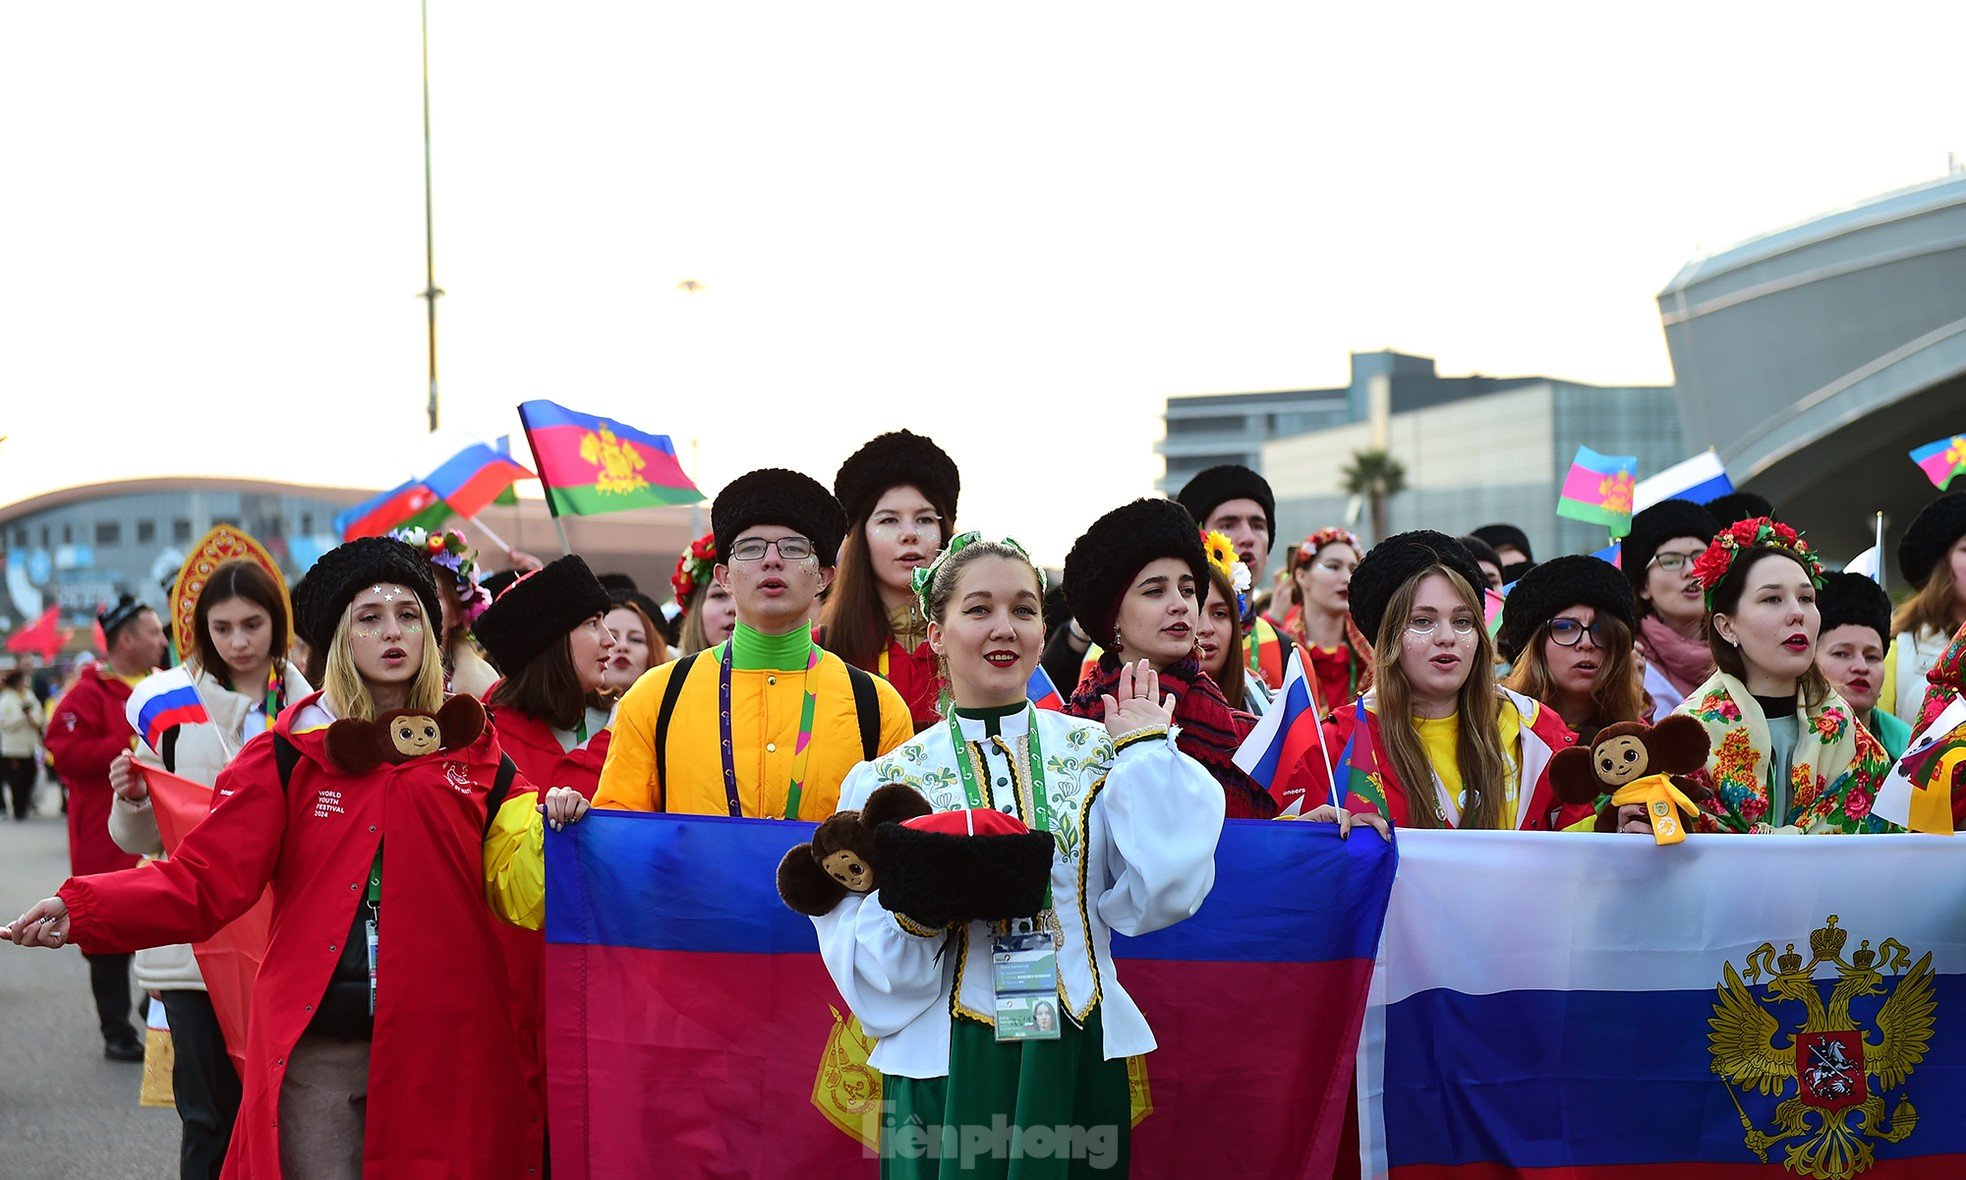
column 494, row 538
column 551, row 508
column 1880, row 553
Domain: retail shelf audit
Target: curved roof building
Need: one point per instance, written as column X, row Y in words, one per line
column 1814, row 358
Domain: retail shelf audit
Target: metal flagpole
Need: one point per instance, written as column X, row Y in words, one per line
column 1880, row 554
column 431, row 291
column 493, row 537
column 551, row 508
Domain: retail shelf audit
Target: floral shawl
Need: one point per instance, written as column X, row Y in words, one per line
column 1836, row 769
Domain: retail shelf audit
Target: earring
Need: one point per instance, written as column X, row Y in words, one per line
column 1117, row 647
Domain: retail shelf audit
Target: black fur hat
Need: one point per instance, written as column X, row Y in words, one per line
column 1395, row 561
column 1119, row 545
column 117, row 617
column 1738, row 506
column 1852, row 598
column 774, row 495
column 1662, row 522
column 339, row 575
column 890, row 460
column 617, row 583
column 1557, row 585
column 1932, row 532
column 936, row 872
column 1216, row 486
column 536, row 610
column 1482, row 551
column 1501, row 535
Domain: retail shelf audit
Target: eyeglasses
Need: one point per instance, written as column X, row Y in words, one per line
column 1672, row 563
column 1424, row 626
column 789, row 549
column 1569, row 633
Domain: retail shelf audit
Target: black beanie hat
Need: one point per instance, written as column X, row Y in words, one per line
column 891, row 460
column 1735, row 507
column 1397, row 560
column 1557, row 585
column 789, row 499
column 117, row 617
column 541, row 606
column 334, row 581
column 1852, row 598
column 617, row 583
column 1482, row 551
column 1103, row 562
column 1932, row 532
column 1501, row 535
column 1216, row 486
column 1654, row 527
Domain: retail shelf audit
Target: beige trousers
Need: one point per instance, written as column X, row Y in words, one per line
column 323, row 1106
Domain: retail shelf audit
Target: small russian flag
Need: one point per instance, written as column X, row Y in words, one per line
column 1698, row 479
column 1042, row 692
column 1286, row 732
column 162, row 700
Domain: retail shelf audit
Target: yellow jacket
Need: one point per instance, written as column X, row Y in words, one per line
column 764, row 729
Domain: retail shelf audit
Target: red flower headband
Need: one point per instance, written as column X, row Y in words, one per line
column 1758, row 532
column 693, row 568
column 1329, row 536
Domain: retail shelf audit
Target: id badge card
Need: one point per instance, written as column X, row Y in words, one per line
column 375, row 958
column 1024, row 970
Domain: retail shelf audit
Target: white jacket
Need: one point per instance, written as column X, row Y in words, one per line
column 1138, row 827
column 20, row 724
column 199, row 754
column 1915, row 656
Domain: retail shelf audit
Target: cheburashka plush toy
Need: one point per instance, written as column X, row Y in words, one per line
column 812, row 878
column 1635, row 763
column 357, row 747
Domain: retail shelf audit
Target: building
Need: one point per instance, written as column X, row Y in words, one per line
column 80, row 547
column 1476, row 449
column 1814, row 358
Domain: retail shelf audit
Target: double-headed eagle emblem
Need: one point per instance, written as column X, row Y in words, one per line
column 1841, row 1077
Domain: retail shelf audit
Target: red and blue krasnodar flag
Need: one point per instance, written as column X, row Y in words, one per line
column 694, row 1023
column 589, row 464
column 476, row 476
column 162, row 700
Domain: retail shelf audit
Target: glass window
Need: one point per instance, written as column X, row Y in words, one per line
column 307, row 524
column 181, row 530
column 146, row 531
column 68, row 534
column 109, row 532
column 44, row 536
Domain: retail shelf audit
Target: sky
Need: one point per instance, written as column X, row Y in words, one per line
column 1016, row 229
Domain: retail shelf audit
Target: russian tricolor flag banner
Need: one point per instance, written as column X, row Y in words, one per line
column 694, row 1029
column 1290, row 727
column 1583, row 1006
column 1040, row 691
column 162, row 700
column 1698, row 479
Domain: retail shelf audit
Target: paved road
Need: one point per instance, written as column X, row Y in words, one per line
column 65, row 1111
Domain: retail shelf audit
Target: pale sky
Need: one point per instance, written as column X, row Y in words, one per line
column 1015, row 228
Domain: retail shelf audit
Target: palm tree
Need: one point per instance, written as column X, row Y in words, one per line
column 1378, row 477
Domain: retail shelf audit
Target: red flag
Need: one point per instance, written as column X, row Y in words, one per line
column 229, row 959
column 40, row 636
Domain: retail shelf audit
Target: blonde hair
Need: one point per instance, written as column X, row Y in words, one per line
column 1932, row 608
column 344, row 685
column 1479, row 747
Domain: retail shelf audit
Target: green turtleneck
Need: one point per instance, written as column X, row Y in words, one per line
column 991, row 715
column 752, row 650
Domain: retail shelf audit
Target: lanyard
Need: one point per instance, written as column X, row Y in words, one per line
column 276, row 692
column 800, row 753
column 375, row 882
column 1040, row 802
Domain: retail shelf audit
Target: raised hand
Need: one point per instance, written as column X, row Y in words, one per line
column 1135, row 702
column 44, row 925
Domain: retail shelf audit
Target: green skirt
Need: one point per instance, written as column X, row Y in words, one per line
column 1021, row 1110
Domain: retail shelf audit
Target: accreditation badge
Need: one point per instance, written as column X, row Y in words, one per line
column 1024, row 969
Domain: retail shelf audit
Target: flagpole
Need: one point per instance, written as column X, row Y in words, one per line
column 1880, row 553
column 494, row 538
column 551, row 508
column 430, row 289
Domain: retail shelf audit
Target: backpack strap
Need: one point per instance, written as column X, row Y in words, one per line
column 670, row 692
column 286, row 756
column 867, row 707
column 501, row 787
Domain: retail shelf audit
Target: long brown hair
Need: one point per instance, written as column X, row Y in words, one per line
column 855, row 618
column 238, row 578
column 1813, row 688
column 1617, row 693
column 546, row 688
column 1234, row 679
column 1933, row 608
column 1484, row 769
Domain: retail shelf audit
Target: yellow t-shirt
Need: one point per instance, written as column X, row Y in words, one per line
column 1440, row 736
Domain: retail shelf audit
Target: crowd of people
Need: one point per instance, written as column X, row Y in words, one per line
column 404, row 709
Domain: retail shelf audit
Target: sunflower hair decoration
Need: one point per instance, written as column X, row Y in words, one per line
column 1222, row 555
column 923, row 579
column 693, row 568
column 1758, row 532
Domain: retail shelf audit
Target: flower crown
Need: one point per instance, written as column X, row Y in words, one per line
column 924, row 576
column 1758, row 532
column 1222, row 555
column 448, row 549
column 1328, row 536
column 693, row 568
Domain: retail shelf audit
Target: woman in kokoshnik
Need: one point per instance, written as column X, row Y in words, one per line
column 1337, row 657
column 1137, row 581
column 709, row 612
column 343, row 1081
column 900, row 492
column 1439, row 743
column 230, row 618
column 1787, row 753
column 1135, row 823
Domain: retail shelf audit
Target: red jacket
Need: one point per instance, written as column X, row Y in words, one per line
column 84, row 736
column 447, row 1095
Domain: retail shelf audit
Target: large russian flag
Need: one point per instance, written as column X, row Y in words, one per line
column 1582, row 1006
column 693, row 1024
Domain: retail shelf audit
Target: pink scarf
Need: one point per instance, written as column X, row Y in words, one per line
column 1686, row 663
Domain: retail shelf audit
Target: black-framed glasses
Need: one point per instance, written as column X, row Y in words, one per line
column 754, row 549
column 1569, row 633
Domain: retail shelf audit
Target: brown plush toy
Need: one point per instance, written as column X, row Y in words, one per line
column 1635, row 763
column 357, row 747
column 814, row 877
